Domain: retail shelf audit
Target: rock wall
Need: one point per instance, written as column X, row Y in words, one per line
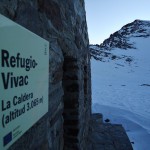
column 63, row 24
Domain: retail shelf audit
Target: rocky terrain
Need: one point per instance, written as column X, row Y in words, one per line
column 121, row 40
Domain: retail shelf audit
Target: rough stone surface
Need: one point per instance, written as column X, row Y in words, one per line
column 106, row 136
column 67, row 123
column 63, row 24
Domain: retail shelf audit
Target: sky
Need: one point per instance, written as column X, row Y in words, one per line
column 105, row 17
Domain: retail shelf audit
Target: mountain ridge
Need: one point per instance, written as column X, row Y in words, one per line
column 121, row 39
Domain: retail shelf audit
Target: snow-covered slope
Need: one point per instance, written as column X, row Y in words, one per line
column 121, row 80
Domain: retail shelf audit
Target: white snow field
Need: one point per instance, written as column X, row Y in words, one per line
column 121, row 91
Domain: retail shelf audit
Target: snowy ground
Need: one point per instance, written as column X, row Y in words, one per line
column 121, row 91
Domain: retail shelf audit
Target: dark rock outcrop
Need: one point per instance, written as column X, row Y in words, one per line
column 107, row 136
column 120, row 39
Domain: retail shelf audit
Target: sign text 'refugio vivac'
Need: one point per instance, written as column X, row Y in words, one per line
column 24, row 65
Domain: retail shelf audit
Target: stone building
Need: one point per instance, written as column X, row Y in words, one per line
column 63, row 24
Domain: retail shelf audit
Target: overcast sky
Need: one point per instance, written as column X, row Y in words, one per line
column 104, row 17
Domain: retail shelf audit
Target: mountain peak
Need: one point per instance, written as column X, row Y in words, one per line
column 120, row 39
